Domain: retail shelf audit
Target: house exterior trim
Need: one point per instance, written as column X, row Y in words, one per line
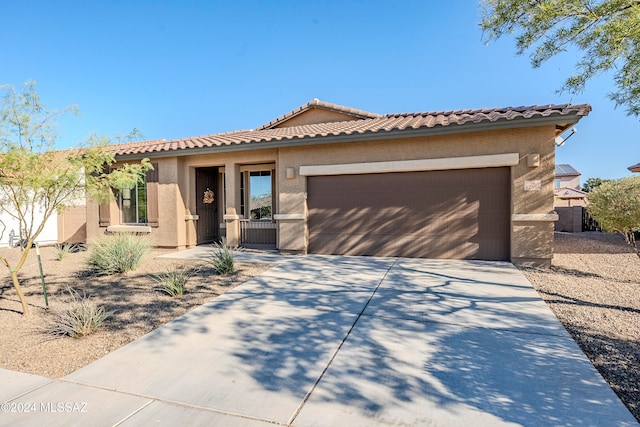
column 289, row 217
column 469, row 162
column 128, row 229
column 534, row 217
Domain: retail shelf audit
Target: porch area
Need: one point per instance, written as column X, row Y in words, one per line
column 254, row 234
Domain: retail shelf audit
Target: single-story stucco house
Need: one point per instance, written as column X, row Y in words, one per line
column 328, row 179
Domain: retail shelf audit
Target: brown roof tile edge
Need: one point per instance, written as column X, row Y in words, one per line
column 361, row 114
column 349, row 129
column 634, row 168
column 561, row 109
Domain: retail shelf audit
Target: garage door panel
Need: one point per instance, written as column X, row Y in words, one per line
column 435, row 214
column 465, row 223
column 408, row 246
column 494, row 225
column 449, row 230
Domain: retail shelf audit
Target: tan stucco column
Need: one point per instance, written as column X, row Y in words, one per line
column 232, row 203
column 292, row 210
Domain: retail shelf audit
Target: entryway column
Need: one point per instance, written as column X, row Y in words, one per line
column 232, row 203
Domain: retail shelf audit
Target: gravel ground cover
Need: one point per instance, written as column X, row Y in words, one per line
column 593, row 287
column 136, row 304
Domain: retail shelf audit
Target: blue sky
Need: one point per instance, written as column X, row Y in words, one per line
column 175, row 69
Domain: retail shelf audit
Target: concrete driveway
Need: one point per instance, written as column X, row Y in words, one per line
column 329, row 341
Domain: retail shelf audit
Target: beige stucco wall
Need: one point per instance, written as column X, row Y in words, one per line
column 171, row 232
column 531, row 241
column 72, row 225
column 570, row 182
column 94, row 231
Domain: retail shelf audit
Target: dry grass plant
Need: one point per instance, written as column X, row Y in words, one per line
column 75, row 316
column 173, row 281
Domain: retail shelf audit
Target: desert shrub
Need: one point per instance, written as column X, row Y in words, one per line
column 222, row 259
column 62, row 250
column 75, row 316
column 118, row 254
column 173, row 281
column 615, row 205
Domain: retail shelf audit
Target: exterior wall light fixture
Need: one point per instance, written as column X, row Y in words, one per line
column 559, row 140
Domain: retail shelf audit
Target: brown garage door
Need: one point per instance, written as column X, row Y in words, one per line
column 458, row 214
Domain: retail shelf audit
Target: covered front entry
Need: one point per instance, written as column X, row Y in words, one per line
column 457, row 214
column 207, row 205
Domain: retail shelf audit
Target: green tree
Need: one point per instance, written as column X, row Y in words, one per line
column 593, row 183
column 616, row 206
column 607, row 32
column 36, row 180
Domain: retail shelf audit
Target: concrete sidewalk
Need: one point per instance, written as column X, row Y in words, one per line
column 323, row 341
column 243, row 255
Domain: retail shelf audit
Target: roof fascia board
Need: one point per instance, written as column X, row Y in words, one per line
column 366, row 136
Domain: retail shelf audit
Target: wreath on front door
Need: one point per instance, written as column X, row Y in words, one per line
column 209, row 197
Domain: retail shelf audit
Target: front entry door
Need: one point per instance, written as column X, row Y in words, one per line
column 207, row 204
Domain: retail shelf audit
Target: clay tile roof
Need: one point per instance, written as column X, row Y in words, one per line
column 569, row 193
column 566, row 170
column 634, row 168
column 365, row 125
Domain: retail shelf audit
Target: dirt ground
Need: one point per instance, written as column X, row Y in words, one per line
column 136, row 304
column 593, row 287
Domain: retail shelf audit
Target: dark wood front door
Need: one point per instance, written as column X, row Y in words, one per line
column 207, row 204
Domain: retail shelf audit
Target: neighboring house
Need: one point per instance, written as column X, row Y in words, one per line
column 468, row 184
column 566, row 176
column 635, row 168
column 567, row 187
column 10, row 229
column 68, row 227
column 568, row 197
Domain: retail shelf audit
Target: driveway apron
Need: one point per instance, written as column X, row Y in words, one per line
column 328, row 340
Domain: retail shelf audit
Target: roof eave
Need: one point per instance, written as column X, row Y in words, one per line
column 566, row 121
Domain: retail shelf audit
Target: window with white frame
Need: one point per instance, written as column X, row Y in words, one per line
column 133, row 204
column 260, row 198
column 256, row 194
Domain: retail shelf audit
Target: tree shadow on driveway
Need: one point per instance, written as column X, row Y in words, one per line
column 341, row 341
